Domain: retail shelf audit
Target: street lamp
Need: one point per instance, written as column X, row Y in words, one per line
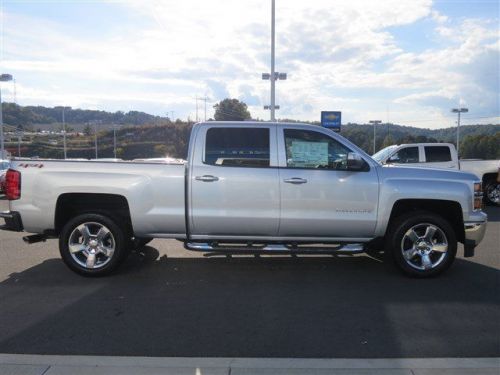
column 274, row 76
column 458, row 111
column 375, row 123
column 114, row 140
column 3, row 78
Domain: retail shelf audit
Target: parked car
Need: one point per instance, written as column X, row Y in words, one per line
column 288, row 189
column 444, row 156
column 4, row 165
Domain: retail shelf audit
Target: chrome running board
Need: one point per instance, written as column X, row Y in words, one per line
column 251, row 248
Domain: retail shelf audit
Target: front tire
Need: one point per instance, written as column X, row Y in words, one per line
column 92, row 244
column 422, row 244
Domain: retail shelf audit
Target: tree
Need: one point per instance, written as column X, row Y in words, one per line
column 388, row 141
column 87, row 130
column 231, row 110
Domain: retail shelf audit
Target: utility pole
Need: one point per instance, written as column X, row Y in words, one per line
column 95, row 138
column 64, row 132
column 458, row 111
column 197, row 108
column 375, row 123
column 205, row 98
column 273, row 78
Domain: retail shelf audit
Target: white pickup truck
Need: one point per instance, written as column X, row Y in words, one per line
column 249, row 188
column 443, row 155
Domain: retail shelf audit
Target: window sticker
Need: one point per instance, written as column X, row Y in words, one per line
column 309, row 154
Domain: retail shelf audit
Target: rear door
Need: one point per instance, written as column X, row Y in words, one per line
column 234, row 182
column 438, row 157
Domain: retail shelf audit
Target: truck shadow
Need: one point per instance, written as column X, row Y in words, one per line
column 245, row 307
column 493, row 213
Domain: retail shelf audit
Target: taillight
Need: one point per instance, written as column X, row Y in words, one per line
column 13, row 185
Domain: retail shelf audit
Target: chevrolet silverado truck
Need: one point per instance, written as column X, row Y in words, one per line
column 249, row 188
column 444, row 155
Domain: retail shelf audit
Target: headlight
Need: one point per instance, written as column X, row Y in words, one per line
column 478, row 196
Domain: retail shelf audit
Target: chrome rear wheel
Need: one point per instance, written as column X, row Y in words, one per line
column 91, row 245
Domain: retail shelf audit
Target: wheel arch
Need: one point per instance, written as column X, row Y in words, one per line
column 71, row 204
column 449, row 210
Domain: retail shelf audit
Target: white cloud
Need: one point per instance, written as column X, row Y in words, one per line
column 219, row 48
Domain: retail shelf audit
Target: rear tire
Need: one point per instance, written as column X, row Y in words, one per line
column 93, row 244
column 422, row 244
column 492, row 193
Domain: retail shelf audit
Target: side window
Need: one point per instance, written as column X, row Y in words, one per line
column 237, row 147
column 310, row 149
column 405, row 155
column 435, row 154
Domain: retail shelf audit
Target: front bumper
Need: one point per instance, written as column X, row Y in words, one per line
column 474, row 234
column 13, row 221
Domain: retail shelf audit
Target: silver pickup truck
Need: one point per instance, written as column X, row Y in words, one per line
column 249, row 188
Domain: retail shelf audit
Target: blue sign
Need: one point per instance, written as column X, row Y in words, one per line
column 331, row 119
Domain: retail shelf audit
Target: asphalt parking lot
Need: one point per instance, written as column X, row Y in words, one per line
column 171, row 302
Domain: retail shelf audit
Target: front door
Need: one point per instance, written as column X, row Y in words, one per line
column 319, row 196
column 235, row 187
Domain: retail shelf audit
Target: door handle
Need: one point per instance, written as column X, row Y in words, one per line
column 206, row 178
column 295, row 180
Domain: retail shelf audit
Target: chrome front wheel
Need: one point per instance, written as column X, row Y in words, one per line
column 421, row 243
column 424, row 246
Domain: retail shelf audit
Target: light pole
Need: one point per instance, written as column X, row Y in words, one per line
column 19, row 135
column 95, row 138
column 3, row 78
column 114, row 140
column 274, row 76
column 458, row 111
column 64, row 132
column 375, row 123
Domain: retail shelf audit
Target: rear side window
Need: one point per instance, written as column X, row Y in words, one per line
column 237, row 147
column 405, row 155
column 434, row 154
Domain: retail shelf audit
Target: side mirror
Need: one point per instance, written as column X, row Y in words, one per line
column 392, row 159
column 355, row 162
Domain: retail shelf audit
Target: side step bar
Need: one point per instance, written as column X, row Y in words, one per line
column 252, row 249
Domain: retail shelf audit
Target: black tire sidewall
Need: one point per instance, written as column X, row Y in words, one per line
column 112, row 225
column 401, row 226
column 491, row 183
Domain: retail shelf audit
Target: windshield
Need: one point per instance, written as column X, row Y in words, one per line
column 4, row 165
column 384, row 153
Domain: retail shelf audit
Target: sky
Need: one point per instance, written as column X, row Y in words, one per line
column 401, row 61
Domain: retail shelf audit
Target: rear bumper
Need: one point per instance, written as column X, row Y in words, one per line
column 474, row 234
column 13, row 221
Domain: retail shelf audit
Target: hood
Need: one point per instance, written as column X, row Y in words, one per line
column 426, row 173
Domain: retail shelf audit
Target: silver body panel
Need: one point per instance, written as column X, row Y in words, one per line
column 244, row 203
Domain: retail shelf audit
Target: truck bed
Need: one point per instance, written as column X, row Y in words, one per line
column 155, row 192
